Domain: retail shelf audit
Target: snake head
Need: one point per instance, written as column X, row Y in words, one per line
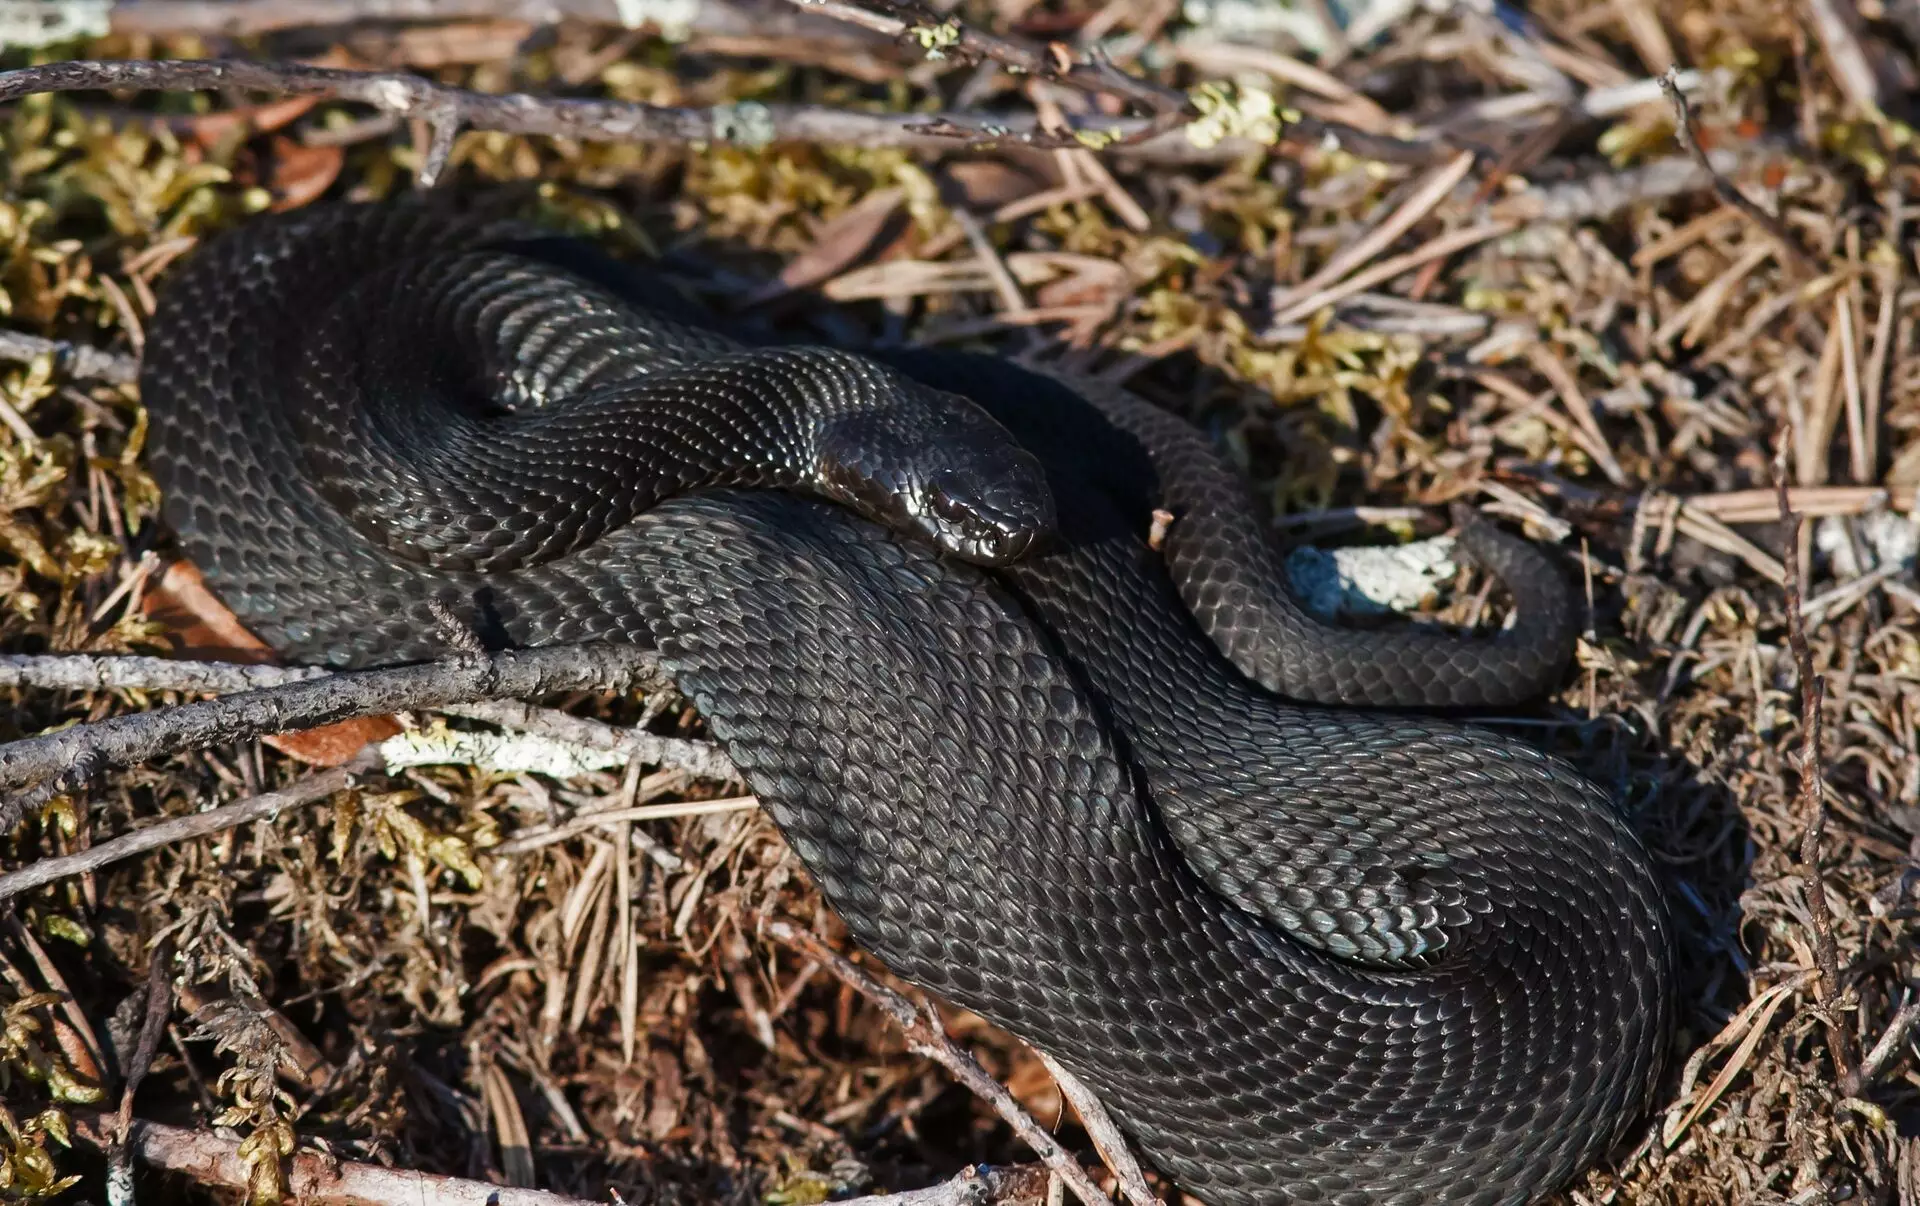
column 944, row 472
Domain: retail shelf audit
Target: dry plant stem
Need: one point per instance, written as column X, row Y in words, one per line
column 74, row 359
column 56, row 762
column 1812, row 801
column 752, row 126
column 928, row 1040
column 313, row 1178
column 314, row 787
column 1722, row 187
column 1105, row 1133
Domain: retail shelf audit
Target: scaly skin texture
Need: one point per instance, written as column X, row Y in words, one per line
column 1306, row 954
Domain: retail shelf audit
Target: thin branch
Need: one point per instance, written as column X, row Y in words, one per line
column 60, row 761
column 1105, row 1133
column 929, row 1040
column 974, row 1185
column 74, row 359
column 314, row 1178
column 1812, row 795
column 1722, row 187
column 949, row 37
column 266, row 806
column 250, row 18
column 748, row 124
column 1891, row 1043
column 91, row 672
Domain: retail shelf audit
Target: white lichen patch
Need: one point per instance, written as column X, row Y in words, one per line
column 1371, row 580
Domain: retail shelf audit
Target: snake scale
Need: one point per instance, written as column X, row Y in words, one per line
column 1100, row 793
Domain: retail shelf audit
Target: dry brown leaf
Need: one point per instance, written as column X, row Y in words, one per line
column 212, row 128
column 202, row 627
column 836, row 245
column 302, row 174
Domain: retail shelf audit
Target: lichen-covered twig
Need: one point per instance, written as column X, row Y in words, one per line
column 929, row 1040
column 702, row 759
column 76, row 359
column 750, row 125
column 55, row 762
column 89, row 672
column 949, row 37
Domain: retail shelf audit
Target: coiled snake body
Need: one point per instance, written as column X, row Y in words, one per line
column 1304, row 953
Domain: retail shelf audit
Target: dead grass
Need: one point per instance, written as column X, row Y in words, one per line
column 369, row 976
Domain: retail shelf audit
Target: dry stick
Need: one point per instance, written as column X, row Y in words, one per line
column 248, row 18
column 1105, row 1133
column 74, row 359
column 1096, row 75
column 974, row 1185
column 1722, row 188
column 927, row 1039
column 315, row 1178
column 263, row 807
column 1812, row 801
column 949, row 37
column 1891, row 1043
column 59, row 761
column 750, row 125
column 153, row 1024
column 93, row 672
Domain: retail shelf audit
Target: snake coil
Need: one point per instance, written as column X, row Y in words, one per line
column 1304, row 953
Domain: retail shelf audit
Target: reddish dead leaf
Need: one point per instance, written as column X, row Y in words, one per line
column 335, row 744
column 199, row 622
column 202, row 627
column 302, row 174
column 836, row 245
column 214, row 128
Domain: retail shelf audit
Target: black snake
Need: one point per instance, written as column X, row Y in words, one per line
column 1304, row 953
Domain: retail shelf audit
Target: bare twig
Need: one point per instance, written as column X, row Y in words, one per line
column 1891, row 1043
column 974, row 1185
column 90, row 672
column 248, row 18
column 313, row 1179
column 314, row 787
column 928, row 1040
column 76, row 359
column 1722, row 187
column 748, row 124
column 1812, row 801
column 1105, row 1133
column 56, row 762
column 949, row 37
